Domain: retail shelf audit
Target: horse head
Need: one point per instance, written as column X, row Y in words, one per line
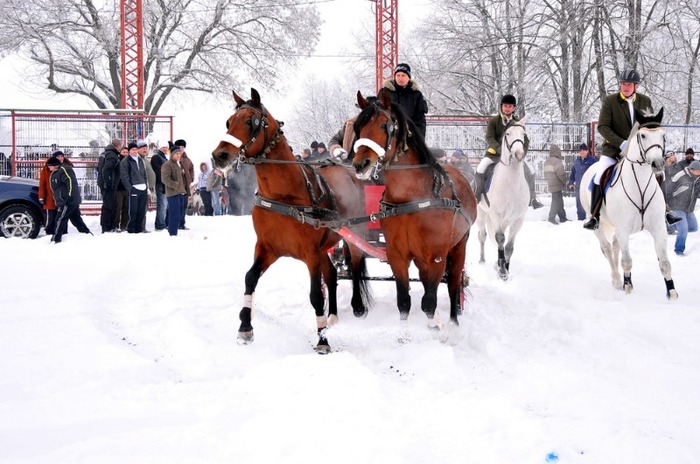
column 251, row 132
column 647, row 140
column 513, row 141
column 383, row 133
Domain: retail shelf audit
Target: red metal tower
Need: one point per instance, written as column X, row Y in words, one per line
column 132, row 54
column 386, row 39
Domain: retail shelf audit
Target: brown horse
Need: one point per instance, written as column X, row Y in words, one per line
column 294, row 206
column 427, row 209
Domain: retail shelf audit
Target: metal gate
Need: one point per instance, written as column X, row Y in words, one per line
column 28, row 137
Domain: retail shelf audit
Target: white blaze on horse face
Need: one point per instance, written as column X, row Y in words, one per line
column 228, row 138
column 372, row 145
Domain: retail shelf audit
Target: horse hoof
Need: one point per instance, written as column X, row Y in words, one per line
column 245, row 338
column 672, row 295
column 360, row 313
column 322, row 348
column 628, row 288
column 332, row 320
column 504, row 276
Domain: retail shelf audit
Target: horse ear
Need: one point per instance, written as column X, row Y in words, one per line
column 384, row 98
column 523, row 120
column 239, row 101
column 660, row 115
column 361, row 101
column 255, row 96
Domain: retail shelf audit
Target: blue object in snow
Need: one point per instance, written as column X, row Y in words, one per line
column 552, row 457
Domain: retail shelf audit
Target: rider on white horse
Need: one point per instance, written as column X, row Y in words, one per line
column 494, row 133
column 615, row 123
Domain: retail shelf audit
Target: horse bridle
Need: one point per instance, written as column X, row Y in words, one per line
column 509, row 146
column 644, row 150
column 390, row 127
column 258, row 123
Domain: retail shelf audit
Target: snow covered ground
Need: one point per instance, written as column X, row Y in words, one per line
column 122, row 349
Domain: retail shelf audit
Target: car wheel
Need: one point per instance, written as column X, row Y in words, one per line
column 19, row 221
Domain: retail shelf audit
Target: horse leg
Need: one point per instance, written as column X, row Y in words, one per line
column 455, row 269
column 502, row 269
column 611, row 253
column 399, row 267
column 510, row 244
column 361, row 295
column 431, row 275
column 625, row 260
column 317, row 300
column 659, row 235
column 330, row 277
column 263, row 260
column 482, row 240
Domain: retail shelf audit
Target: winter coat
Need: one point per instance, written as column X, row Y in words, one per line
column 157, row 162
column 554, row 170
column 345, row 139
column 45, row 191
column 133, row 171
column 150, row 174
column 683, row 191
column 495, row 128
column 580, row 166
column 110, row 169
column 64, row 186
column 173, row 177
column 411, row 100
column 615, row 123
column 188, row 169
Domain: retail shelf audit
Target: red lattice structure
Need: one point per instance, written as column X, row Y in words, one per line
column 27, row 139
column 132, row 97
column 386, row 39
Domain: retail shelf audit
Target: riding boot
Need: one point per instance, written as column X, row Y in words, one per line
column 596, row 203
column 479, row 185
column 530, row 178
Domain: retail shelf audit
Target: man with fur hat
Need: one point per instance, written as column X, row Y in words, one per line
column 406, row 93
column 188, row 168
column 66, row 193
column 495, row 128
column 135, row 181
column 684, row 191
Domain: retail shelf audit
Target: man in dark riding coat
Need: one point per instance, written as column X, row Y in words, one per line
column 615, row 124
column 495, row 128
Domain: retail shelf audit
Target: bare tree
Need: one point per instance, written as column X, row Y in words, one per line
column 190, row 45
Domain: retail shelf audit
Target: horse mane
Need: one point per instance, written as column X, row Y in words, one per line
column 405, row 125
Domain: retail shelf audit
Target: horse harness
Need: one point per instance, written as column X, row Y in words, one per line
column 644, row 205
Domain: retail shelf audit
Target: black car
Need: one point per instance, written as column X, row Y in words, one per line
column 20, row 211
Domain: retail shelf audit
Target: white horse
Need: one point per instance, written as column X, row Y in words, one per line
column 633, row 202
column 502, row 210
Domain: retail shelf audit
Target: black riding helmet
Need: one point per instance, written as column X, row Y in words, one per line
column 630, row 75
column 508, row 100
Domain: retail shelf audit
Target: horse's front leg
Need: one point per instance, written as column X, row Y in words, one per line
column 263, row 260
column 455, row 278
column 502, row 262
column 611, row 253
column 482, row 240
column 510, row 244
column 361, row 296
column 317, row 301
column 399, row 267
column 330, row 277
column 625, row 260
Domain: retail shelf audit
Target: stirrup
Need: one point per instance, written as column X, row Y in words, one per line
column 672, row 218
column 591, row 224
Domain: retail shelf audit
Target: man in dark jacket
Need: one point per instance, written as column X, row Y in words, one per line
column 615, row 124
column 583, row 161
column 157, row 162
column 135, row 181
column 495, row 128
column 406, row 93
column 66, row 194
column 683, row 195
column 108, row 178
